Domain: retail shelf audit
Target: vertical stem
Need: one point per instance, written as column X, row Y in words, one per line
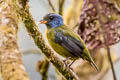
column 61, row 5
column 109, row 57
column 106, row 43
column 103, row 19
column 51, row 5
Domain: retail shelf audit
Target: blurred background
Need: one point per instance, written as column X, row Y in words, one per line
column 31, row 54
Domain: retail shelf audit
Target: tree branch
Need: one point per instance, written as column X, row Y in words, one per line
column 51, row 5
column 109, row 55
column 103, row 21
column 33, row 31
column 42, row 67
column 11, row 65
column 61, row 5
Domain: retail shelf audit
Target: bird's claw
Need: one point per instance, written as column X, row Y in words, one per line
column 67, row 65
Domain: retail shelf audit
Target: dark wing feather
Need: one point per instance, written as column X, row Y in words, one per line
column 73, row 45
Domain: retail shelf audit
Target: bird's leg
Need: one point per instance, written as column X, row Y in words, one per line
column 66, row 60
column 69, row 65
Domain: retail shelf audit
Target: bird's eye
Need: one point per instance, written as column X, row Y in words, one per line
column 51, row 17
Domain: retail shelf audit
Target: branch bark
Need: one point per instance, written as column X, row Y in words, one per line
column 42, row 67
column 11, row 65
column 109, row 54
column 33, row 31
column 61, row 5
column 103, row 20
column 51, row 5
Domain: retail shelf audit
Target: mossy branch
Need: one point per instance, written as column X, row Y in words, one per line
column 42, row 67
column 33, row 31
column 11, row 65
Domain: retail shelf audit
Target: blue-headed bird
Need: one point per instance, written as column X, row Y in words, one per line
column 64, row 41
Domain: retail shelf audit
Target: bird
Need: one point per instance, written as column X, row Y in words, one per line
column 65, row 41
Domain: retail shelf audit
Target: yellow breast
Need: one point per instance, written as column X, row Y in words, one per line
column 57, row 47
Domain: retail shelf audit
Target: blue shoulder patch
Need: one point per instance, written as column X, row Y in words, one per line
column 73, row 45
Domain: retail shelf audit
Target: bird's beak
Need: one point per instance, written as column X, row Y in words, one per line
column 42, row 22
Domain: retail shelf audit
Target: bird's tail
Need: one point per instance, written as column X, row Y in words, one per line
column 94, row 65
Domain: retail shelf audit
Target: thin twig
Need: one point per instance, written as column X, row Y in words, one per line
column 77, row 24
column 61, row 5
column 102, row 23
column 103, row 75
column 51, row 5
column 109, row 56
column 102, row 19
column 107, row 46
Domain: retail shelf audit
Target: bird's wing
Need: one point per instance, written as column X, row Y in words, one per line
column 73, row 43
column 74, row 46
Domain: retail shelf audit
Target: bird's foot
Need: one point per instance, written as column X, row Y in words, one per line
column 65, row 63
column 71, row 68
column 66, row 60
column 68, row 65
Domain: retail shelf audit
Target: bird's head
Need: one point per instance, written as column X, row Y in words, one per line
column 52, row 20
